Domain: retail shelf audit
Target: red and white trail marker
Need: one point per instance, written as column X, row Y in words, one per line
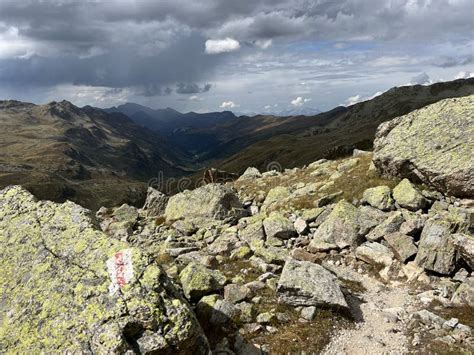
column 120, row 270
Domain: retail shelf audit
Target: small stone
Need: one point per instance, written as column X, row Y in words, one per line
column 237, row 293
column 266, row 318
column 278, row 226
column 379, row 197
column 308, row 313
column 301, row 226
column 374, row 253
column 452, row 323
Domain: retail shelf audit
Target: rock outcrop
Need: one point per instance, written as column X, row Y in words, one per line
column 433, row 145
column 67, row 287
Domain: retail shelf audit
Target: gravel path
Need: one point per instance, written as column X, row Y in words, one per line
column 381, row 317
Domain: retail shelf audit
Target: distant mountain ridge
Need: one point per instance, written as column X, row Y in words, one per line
column 62, row 151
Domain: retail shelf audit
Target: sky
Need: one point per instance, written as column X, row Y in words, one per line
column 240, row 55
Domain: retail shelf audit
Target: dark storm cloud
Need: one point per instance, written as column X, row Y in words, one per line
column 151, row 46
column 192, row 88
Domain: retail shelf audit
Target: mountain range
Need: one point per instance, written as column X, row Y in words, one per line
column 104, row 157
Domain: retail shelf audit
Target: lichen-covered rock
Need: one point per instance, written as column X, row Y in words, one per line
column 465, row 246
column 436, row 250
column 379, row 197
column 303, row 283
column 433, row 145
column 198, row 281
column 340, row 227
column 210, row 201
column 277, row 194
column 155, row 203
column 67, row 287
column 407, row 196
column 121, row 222
column 374, row 253
column 278, row 226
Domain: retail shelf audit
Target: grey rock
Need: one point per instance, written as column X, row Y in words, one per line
column 155, row 203
column 308, row 313
column 237, row 293
column 374, row 253
column 306, row 284
column 464, row 244
column 278, row 226
column 379, row 197
column 402, row 245
column 436, row 250
column 390, row 225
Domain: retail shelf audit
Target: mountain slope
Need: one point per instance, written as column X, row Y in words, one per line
column 61, row 151
column 301, row 140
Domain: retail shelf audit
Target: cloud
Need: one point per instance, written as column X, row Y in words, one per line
column 228, row 105
column 216, row 46
column 299, row 101
column 352, row 100
column 464, row 75
column 195, row 98
column 263, row 43
column 193, row 88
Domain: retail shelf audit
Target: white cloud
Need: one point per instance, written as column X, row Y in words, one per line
column 228, row 104
column 215, row 46
column 195, row 98
column 353, row 100
column 299, row 101
column 464, row 75
column 267, row 107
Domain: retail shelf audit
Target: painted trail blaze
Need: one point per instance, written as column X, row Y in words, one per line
column 120, row 270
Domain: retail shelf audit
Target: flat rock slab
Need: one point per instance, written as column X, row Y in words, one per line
column 303, row 283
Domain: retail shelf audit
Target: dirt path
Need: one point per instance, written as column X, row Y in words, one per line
column 381, row 317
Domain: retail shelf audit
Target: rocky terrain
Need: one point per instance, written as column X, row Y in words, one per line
column 339, row 256
column 352, row 255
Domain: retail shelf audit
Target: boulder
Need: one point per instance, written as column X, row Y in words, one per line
column 340, row 227
column 155, row 203
column 402, row 245
column 69, row 288
column 121, row 222
column 464, row 294
column 368, row 218
column 379, row 197
column 198, row 281
column 390, row 225
column 374, row 253
column 464, row 244
column 436, row 250
column 250, row 174
column 275, row 195
column 210, row 201
column 432, row 145
column 303, row 283
column 407, row 196
column 252, row 231
column 278, row 226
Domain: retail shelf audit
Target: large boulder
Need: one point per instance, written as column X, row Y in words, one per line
column 303, row 283
column 433, row 145
column 340, row 227
column 69, row 288
column 210, row 201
